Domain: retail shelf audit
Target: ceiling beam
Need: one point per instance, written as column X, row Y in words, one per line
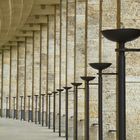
column 11, row 43
column 5, row 47
column 37, row 20
column 31, row 27
column 45, row 10
column 48, row 2
column 18, row 39
column 24, row 34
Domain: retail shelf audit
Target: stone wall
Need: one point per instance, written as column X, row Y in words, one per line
column 130, row 11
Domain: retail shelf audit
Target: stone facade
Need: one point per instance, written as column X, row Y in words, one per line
column 130, row 11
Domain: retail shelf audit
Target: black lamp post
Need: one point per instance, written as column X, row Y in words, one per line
column 29, row 111
column 75, row 131
column 36, row 112
column 66, row 110
column 7, row 110
column 121, row 36
column 21, row 112
column 54, row 112
column 14, row 105
column 100, row 67
column 49, row 111
column 42, row 109
column 60, row 91
column 87, row 79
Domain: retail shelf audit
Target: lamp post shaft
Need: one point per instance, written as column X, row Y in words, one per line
column 42, row 110
column 29, row 108
column 66, row 110
column 54, row 110
column 7, row 107
column 36, row 96
column 14, row 104
column 49, row 125
column 75, row 112
column 54, row 114
column 66, row 114
column 21, row 108
column 87, row 110
column 121, row 92
column 100, row 106
column 59, row 113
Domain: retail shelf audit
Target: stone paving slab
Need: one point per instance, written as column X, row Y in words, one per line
column 20, row 130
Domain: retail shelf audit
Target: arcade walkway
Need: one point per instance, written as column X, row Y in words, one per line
column 17, row 130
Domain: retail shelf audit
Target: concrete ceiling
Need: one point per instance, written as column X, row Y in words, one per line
column 17, row 15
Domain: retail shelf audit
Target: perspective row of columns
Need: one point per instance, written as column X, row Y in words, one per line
column 41, row 98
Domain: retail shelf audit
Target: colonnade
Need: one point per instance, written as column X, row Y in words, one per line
column 45, row 53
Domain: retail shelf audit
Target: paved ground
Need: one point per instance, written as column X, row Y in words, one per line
column 17, row 130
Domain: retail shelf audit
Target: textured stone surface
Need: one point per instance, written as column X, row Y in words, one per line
column 129, row 18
